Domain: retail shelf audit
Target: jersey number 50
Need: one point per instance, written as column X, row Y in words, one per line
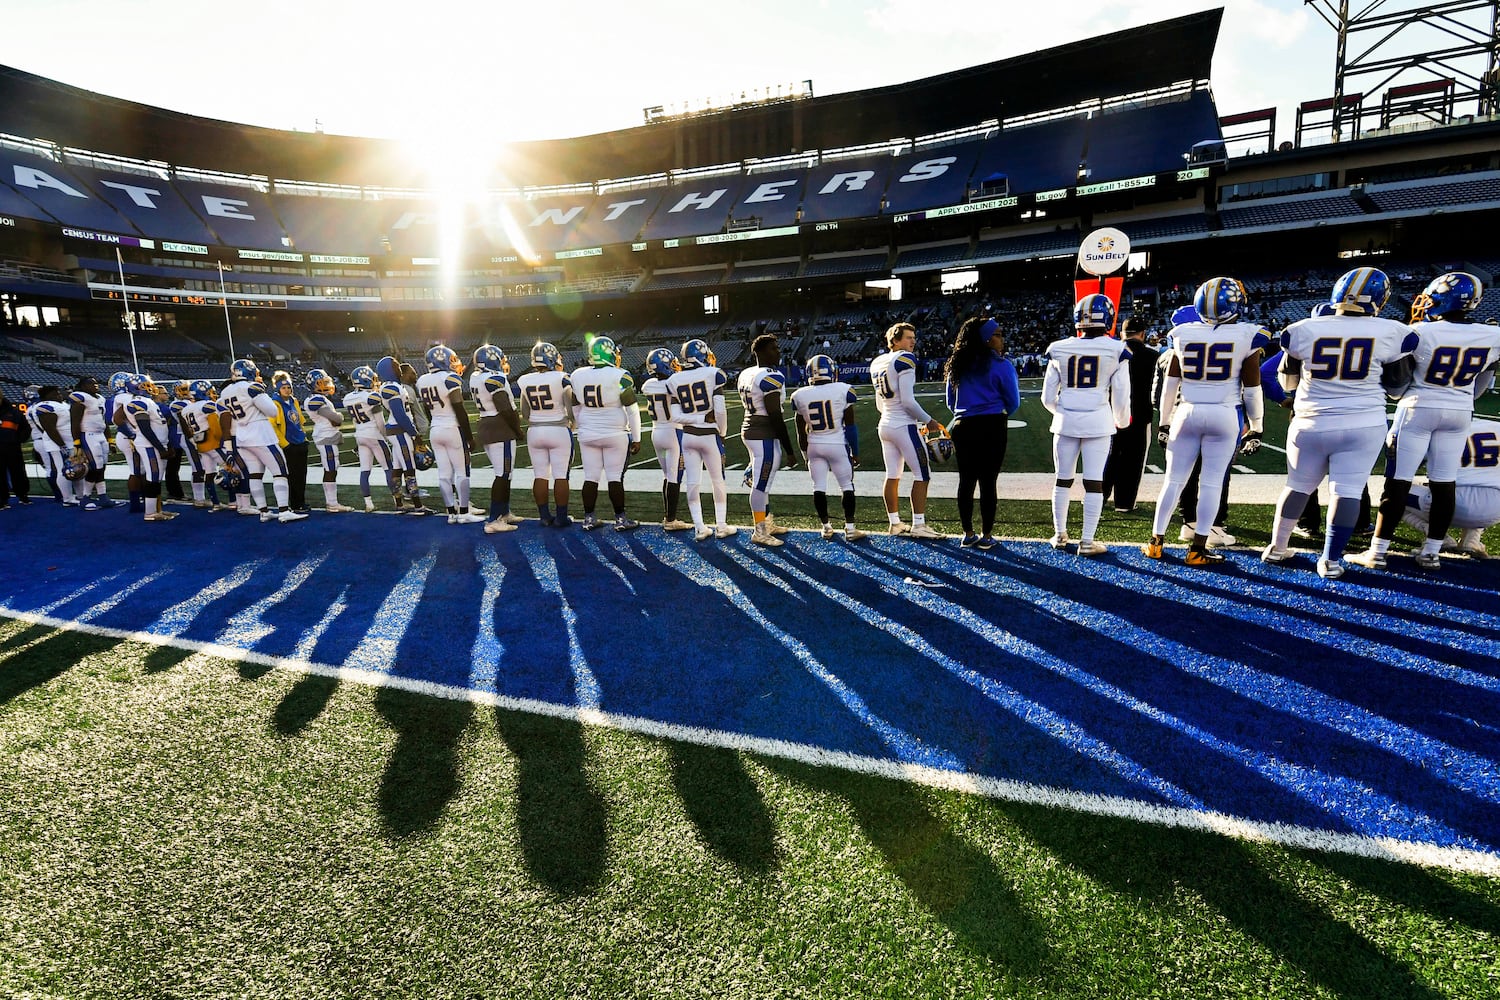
column 1344, row 360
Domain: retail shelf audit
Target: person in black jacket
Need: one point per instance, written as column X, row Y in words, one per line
column 1127, row 450
column 13, row 431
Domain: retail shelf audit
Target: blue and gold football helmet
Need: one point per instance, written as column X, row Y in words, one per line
column 1363, row 291
column 363, row 377
column 441, row 359
column 244, row 370
column 1219, row 300
column 545, row 357
column 490, row 358
column 696, row 354
column 821, row 368
column 661, row 363
column 1449, row 296
column 1094, row 313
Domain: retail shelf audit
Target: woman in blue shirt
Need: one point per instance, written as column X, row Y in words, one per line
column 982, row 393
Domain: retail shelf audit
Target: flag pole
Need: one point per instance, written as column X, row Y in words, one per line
column 135, row 363
column 224, row 296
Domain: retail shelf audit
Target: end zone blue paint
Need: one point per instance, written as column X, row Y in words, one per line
column 1370, row 705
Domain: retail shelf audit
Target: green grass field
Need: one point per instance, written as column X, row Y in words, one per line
column 176, row 825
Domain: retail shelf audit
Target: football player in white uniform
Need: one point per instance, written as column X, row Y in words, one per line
column 699, row 391
column 52, row 437
column 666, row 433
column 499, row 430
column 115, row 413
column 1334, row 363
column 201, row 427
column 152, row 432
column 441, row 390
column 764, row 433
column 1087, row 391
column 86, row 405
column 609, row 428
column 1433, row 416
column 829, row 438
column 894, row 375
column 362, row 404
column 327, row 434
column 1215, row 365
column 250, row 437
column 401, row 430
column 1477, row 495
column 547, row 408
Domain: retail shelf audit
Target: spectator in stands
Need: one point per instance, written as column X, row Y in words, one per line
column 1127, row 451
column 12, row 464
column 296, row 441
column 982, row 392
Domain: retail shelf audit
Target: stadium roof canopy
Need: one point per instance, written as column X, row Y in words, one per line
column 1135, row 60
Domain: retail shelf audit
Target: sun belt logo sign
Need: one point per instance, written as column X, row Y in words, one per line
column 1104, row 251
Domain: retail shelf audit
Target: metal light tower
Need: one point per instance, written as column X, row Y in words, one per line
column 1428, row 59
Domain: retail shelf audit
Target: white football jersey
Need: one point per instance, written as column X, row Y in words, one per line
column 323, row 413
column 755, row 386
column 1087, row 385
column 597, row 409
column 198, row 415
column 39, row 437
column 368, row 413
column 822, row 407
column 1449, row 357
column 1211, row 357
column 695, row 389
column 543, row 394
column 436, row 389
column 119, row 413
column 894, row 376
column 1480, row 464
column 1339, row 384
column 92, row 419
column 251, row 407
column 662, row 403
column 147, row 412
column 483, row 386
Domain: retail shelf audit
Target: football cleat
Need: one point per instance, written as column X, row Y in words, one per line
column 1456, row 293
column 514, row 519
column 703, row 534
column 1095, row 313
column 161, row 515
column 1203, row 557
column 773, row 527
column 1428, row 560
column 760, row 536
column 899, row 528
column 267, row 516
column 1330, row 569
column 986, row 542
column 288, row 516
column 498, row 526
column 601, row 351
column 1219, row 300
column 925, row 531
column 853, row 534
column 695, row 354
column 467, row 518
column 821, row 368
column 1369, row 559
column 1271, row 554
column 363, row 377
column 623, row 523
column 1471, row 544
column 545, row 357
column 1219, row 538
column 489, row 358
column 725, row 531
column 1092, row 547
column 827, row 531
column 1152, row 549
column 1188, row 533
column 1059, row 541
column 1363, row 291
column 338, row 508
column 662, row 363
column 244, row 370
column 590, row 522
column 968, row 541
column 678, row 525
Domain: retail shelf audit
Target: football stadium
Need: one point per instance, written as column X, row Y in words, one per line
column 489, row 694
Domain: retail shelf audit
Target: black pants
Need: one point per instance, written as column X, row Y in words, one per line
column 1127, row 460
column 979, row 448
column 296, row 475
column 13, row 477
column 172, row 481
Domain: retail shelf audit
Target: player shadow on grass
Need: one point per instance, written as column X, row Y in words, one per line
column 51, row 653
column 422, row 775
column 725, row 805
column 561, row 816
column 1432, row 893
column 1156, row 865
column 957, row 883
column 303, row 703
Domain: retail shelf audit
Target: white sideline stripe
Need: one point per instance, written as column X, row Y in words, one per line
column 1382, row 848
